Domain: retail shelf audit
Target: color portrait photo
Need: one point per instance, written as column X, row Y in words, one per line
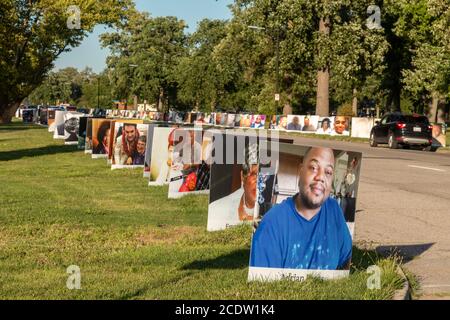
column 189, row 162
column 100, row 138
column 130, row 143
column 233, row 187
column 306, row 214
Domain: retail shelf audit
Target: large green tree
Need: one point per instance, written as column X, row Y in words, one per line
column 426, row 24
column 144, row 58
column 200, row 81
column 33, row 33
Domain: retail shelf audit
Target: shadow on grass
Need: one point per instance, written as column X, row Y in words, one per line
column 36, row 152
column 235, row 260
column 361, row 260
column 15, row 126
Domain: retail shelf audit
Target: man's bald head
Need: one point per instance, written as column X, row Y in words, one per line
column 311, row 151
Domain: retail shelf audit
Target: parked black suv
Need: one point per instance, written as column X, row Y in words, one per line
column 397, row 129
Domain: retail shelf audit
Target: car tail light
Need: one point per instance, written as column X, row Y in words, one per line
column 430, row 127
column 401, row 125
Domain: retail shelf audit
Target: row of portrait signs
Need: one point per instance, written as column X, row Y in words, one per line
column 335, row 125
column 300, row 200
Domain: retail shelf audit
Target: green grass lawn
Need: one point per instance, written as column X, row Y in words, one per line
column 58, row 207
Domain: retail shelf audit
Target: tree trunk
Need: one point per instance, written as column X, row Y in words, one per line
column 355, row 102
column 323, row 78
column 7, row 111
column 436, row 113
column 287, row 108
column 161, row 100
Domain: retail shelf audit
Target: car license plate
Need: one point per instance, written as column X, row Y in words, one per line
column 417, row 129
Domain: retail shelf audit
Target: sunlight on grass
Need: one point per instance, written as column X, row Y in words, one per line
column 59, row 208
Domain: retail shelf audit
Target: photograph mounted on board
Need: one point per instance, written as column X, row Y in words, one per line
column 159, row 160
column 51, row 120
column 88, row 140
column 71, row 127
column 189, row 162
column 130, row 143
column 232, row 198
column 58, row 132
column 148, row 151
column 306, row 214
column 82, row 133
column 113, row 135
column 100, row 138
column 438, row 135
column 341, row 126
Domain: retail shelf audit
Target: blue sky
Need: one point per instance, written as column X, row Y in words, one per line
column 90, row 54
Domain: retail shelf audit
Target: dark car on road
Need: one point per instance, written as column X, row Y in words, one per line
column 398, row 129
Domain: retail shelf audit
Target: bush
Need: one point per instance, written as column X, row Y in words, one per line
column 345, row 110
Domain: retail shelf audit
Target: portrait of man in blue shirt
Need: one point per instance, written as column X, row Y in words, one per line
column 308, row 230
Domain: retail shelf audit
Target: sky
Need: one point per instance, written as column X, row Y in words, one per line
column 90, row 54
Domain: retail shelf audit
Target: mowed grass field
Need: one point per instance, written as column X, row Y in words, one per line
column 58, row 208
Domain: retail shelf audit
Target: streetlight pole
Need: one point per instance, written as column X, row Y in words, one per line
column 98, row 92
column 277, row 59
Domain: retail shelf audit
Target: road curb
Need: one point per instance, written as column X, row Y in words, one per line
column 405, row 292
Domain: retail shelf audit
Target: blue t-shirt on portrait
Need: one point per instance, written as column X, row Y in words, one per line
column 284, row 239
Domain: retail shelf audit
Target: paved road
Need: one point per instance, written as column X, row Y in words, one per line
column 404, row 202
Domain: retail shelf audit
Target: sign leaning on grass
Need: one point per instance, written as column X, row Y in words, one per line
column 71, row 127
column 305, row 215
column 100, row 137
column 234, row 172
column 189, row 162
column 159, row 160
column 129, row 145
column 58, row 125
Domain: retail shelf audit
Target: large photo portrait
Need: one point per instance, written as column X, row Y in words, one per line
column 71, row 127
column 100, row 138
column 159, row 161
column 341, row 126
column 51, row 120
column 130, row 143
column 189, row 162
column 111, row 141
column 438, row 135
column 306, row 212
column 88, row 140
column 58, row 132
column 82, row 128
column 148, row 151
column 361, row 127
column 325, row 125
column 233, row 191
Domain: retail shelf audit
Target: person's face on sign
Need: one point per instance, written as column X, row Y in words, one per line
column 249, row 183
column 340, row 124
column 130, row 133
column 106, row 138
column 140, row 147
column 306, row 122
column 436, row 130
column 316, row 177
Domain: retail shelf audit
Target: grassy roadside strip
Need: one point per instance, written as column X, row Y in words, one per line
column 60, row 208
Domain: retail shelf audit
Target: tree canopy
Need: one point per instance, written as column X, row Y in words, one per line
column 318, row 56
